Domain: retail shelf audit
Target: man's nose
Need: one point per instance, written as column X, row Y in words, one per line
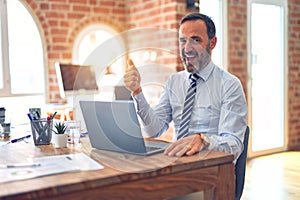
column 188, row 46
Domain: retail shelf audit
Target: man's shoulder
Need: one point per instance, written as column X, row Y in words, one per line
column 225, row 75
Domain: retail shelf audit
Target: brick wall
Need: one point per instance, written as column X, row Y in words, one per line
column 237, row 59
column 61, row 20
column 164, row 15
column 237, row 39
column 294, row 74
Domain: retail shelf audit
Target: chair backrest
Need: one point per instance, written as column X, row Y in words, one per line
column 240, row 168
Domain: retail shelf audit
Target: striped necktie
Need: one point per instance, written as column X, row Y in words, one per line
column 188, row 106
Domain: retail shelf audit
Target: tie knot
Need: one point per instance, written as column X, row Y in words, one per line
column 193, row 78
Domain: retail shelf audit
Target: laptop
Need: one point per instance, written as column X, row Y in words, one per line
column 114, row 126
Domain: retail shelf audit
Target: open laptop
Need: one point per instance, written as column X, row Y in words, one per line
column 114, row 126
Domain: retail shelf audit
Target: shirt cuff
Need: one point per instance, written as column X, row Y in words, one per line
column 140, row 100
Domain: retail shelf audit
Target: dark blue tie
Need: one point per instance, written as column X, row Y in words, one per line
column 188, row 107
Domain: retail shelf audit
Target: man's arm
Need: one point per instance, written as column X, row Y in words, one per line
column 231, row 127
column 156, row 121
column 232, row 123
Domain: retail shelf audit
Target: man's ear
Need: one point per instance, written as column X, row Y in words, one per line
column 213, row 43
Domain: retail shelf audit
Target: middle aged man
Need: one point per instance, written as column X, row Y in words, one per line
column 214, row 114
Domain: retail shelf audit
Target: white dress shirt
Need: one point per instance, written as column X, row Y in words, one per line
column 219, row 111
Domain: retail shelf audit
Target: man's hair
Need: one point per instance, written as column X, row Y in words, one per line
column 210, row 25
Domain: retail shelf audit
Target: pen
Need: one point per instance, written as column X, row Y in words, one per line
column 29, row 116
column 38, row 114
column 21, row 165
column 69, row 158
column 52, row 117
column 19, row 139
column 46, row 126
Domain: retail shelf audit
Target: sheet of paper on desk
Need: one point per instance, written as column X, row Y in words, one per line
column 3, row 143
column 78, row 161
column 50, row 165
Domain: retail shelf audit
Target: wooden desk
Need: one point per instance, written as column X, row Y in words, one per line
column 124, row 176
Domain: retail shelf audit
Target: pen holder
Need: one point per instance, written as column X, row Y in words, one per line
column 41, row 131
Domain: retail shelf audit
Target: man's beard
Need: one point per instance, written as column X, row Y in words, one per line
column 201, row 61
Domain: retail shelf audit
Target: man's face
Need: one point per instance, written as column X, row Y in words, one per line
column 195, row 47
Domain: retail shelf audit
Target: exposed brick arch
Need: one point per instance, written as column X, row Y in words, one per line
column 39, row 18
column 91, row 21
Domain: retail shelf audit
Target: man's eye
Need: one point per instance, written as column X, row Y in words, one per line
column 196, row 40
column 182, row 40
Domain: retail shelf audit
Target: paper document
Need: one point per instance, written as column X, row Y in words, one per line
column 49, row 165
column 3, row 143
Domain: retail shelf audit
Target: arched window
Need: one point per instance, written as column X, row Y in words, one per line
column 22, row 61
column 93, row 37
column 89, row 39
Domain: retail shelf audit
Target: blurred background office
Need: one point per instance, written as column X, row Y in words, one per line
column 258, row 41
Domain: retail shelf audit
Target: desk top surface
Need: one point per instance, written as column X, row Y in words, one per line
column 118, row 167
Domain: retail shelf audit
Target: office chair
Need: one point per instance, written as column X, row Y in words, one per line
column 240, row 168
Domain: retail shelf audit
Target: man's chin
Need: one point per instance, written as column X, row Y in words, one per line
column 190, row 68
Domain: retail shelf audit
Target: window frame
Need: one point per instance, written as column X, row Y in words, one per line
column 100, row 27
column 85, row 31
column 284, row 6
column 222, row 32
column 6, row 91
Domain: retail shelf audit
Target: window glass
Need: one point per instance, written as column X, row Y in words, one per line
column 22, row 77
column 25, row 51
column 92, row 38
column 90, row 42
column 1, row 62
column 213, row 9
column 267, row 92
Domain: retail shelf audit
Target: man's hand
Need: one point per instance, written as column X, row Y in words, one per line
column 185, row 146
column 132, row 79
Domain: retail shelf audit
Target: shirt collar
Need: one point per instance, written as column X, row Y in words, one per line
column 205, row 72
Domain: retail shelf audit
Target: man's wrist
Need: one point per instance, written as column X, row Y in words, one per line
column 205, row 142
column 137, row 91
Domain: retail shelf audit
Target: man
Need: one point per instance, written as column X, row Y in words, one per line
column 218, row 115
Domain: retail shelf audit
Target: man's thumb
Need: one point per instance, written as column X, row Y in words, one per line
column 131, row 64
